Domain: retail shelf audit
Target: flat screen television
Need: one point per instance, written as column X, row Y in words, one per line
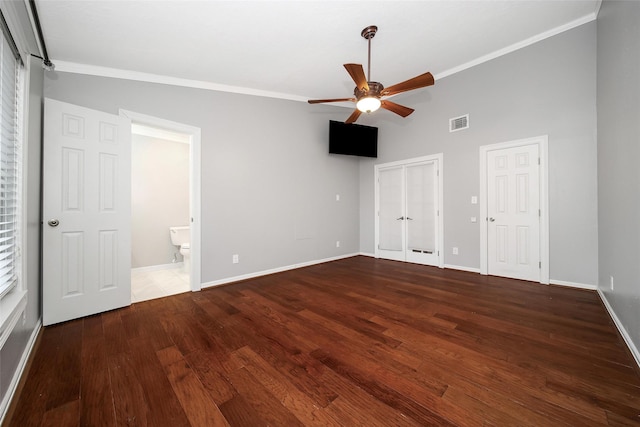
column 352, row 139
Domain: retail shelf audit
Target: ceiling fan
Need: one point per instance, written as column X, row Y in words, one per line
column 369, row 94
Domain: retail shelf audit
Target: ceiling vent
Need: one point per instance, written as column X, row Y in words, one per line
column 459, row 123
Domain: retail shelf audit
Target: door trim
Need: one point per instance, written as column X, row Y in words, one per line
column 542, row 142
column 434, row 157
column 194, row 179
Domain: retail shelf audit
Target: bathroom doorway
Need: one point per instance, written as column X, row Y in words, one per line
column 165, row 194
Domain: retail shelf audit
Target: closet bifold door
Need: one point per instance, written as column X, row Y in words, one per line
column 391, row 219
column 420, row 216
column 408, row 205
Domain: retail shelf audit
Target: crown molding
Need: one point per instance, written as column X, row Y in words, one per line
column 117, row 73
column 516, row 46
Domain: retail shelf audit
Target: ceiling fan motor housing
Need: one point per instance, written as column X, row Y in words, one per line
column 375, row 90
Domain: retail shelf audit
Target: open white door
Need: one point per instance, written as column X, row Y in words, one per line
column 86, row 212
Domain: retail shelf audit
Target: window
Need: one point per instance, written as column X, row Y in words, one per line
column 10, row 160
column 9, row 163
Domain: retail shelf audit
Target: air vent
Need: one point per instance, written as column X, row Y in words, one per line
column 459, row 123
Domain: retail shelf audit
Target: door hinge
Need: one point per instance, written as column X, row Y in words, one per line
column 438, row 172
column 438, row 253
column 539, row 264
column 539, row 212
column 538, row 160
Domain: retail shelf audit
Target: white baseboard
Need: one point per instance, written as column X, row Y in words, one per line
column 273, row 270
column 17, row 375
column 159, row 267
column 572, row 284
column 462, row 268
column 371, row 255
column 625, row 335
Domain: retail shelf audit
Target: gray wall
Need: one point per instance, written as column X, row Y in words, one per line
column 159, row 198
column 546, row 88
column 618, row 154
column 268, row 184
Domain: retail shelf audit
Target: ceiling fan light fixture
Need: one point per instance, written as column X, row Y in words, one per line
column 368, row 104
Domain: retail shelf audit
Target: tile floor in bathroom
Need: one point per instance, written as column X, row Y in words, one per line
column 151, row 284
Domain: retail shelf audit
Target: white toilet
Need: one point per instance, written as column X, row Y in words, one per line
column 181, row 236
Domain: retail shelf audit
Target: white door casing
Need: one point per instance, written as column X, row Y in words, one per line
column 513, row 204
column 408, row 206
column 194, row 182
column 86, row 212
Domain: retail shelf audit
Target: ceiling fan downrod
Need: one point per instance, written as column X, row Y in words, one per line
column 368, row 33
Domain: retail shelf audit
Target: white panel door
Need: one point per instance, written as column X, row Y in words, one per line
column 391, row 240
column 513, row 212
column 87, row 212
column 408, row 226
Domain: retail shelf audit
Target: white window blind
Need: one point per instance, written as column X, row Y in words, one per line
column 10, row 161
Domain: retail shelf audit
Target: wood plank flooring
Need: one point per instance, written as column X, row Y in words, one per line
column 355, row 342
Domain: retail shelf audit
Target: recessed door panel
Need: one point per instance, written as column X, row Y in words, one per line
column 108, row 182
column 72, row 262
column 108, row 259
column 72, row 180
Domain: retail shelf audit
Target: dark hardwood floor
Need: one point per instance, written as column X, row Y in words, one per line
column 355, row 342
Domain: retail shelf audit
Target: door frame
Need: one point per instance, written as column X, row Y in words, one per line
column 433, row 157
column 542, row 142
column 194, row 183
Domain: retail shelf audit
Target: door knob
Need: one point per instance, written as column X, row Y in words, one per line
column 399, row 219
column 53, row 222
column 491, row 219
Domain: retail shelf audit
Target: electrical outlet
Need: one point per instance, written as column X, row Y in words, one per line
column 611, row 282
column 337, row 243
column 455, row 251
column 337, row 197
column 235, row 259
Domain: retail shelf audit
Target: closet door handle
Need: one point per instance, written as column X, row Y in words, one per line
column 400, row 219
column 409, row 219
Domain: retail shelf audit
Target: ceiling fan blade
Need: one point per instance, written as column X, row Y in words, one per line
column 422, row 80
column 401, row 110
column 320, row 101
column 357, row 74
column 354, row 116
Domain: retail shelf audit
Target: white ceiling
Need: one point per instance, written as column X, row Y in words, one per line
column 292, row 49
